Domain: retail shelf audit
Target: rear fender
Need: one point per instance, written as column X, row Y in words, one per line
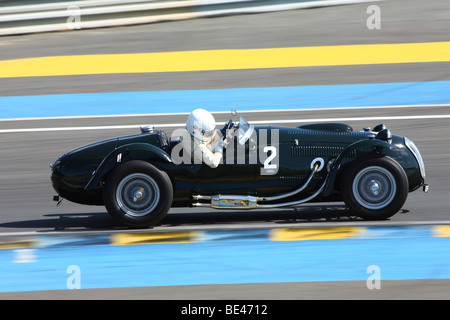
column 357, row 150
column 133, row 151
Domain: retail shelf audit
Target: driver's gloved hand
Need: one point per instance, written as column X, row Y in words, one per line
column 227, row 126
column 221, row 145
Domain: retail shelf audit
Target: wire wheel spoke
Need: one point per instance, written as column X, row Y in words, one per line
column 137, row 194
column 374, row 187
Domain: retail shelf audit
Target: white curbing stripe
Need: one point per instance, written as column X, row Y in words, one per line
column 172, row 125
column 191, row 8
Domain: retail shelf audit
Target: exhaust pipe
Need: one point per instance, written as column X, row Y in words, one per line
column 316, row 165
column 238, row 202
column 230, row 202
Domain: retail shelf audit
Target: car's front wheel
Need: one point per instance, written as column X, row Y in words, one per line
column 137, row 194
column 375, row 188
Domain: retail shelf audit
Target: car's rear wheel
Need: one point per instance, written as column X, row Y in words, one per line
column 375, row 188
column 137, row 194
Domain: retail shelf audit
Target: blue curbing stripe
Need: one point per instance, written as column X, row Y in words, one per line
column 215, row 100
column 226, row 256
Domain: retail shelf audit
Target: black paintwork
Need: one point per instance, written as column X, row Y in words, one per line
column 78, row 176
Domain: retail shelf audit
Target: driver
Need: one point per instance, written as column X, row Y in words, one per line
column 207, row 142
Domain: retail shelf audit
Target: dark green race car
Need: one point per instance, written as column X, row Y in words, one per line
column 140, row 177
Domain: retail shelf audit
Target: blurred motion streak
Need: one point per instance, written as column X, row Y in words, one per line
column 442, row 231
column 226, row 59
column 226, row 256
column 46, row 16
column 298, row 234
column 154, row 237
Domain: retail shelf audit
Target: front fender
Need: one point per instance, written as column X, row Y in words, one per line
column 125, row 153
column 357, row 150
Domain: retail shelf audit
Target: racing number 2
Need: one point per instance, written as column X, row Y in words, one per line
column 270, row 168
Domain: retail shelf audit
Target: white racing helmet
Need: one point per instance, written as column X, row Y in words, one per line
column 201, row 124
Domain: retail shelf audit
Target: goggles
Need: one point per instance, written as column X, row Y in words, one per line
column 208, row 133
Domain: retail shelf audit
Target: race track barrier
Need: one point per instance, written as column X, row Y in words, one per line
column 17, row 17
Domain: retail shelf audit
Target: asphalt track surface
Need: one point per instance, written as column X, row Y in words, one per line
column 26, row 191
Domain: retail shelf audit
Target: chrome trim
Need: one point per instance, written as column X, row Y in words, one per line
column 415, row 151
column 233, row 202
column 249, row 202
column 200, row 197
column 315, row 161
column 239, row 202
column 198, row 204
column 147, row 128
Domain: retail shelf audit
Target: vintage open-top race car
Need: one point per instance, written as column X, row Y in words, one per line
column 140, row 177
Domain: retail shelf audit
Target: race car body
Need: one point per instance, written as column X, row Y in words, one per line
column 140, row 177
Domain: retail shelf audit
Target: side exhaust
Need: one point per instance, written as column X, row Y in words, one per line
column 228, row 202
column 239, row 202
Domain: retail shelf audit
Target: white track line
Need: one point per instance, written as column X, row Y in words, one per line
column 261, row 122
column 222, row 112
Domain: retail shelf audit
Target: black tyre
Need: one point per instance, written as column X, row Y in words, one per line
column 137, row 194
column 375, row 188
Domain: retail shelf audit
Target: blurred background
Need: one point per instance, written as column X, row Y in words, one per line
column 75, row 72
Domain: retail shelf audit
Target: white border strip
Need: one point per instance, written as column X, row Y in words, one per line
column 64, row 5
column 267, row 122
column 190, row 11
